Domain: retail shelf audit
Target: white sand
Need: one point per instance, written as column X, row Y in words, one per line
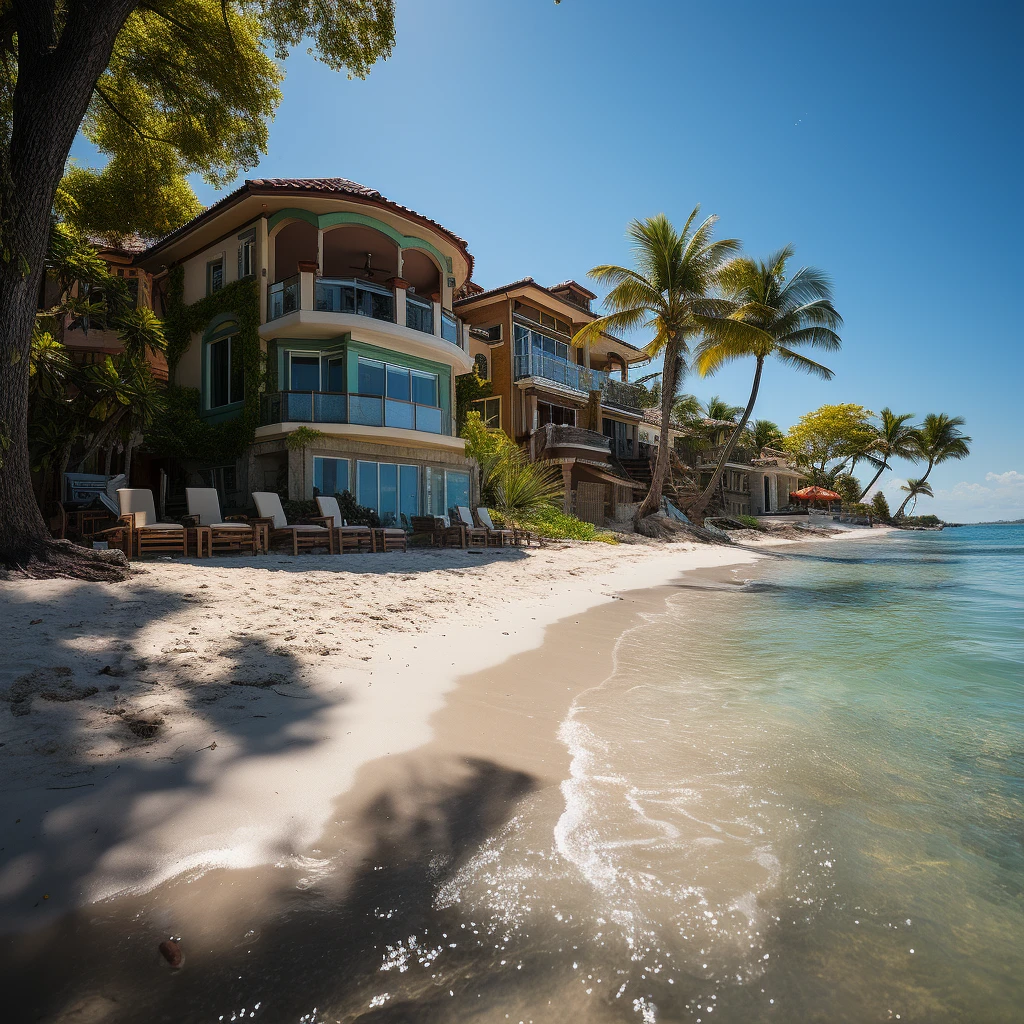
column 272, row 680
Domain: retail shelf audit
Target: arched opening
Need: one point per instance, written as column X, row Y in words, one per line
column 355, row 251
column 480, row 362
column 295, row 243
column 422, row 274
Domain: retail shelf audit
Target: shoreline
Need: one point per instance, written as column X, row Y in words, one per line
column 257, row 781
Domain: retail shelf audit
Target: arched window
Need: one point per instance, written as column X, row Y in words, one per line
column 480, row 362
column 223, row 370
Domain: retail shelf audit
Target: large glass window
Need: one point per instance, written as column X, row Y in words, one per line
column 226, row 372
column 424, row 388
column 457, row 488
column 371, row 377
column 215, row 275
column 330, row 476
column 305, row 373
column 398, row 384
column 336, row 374
column 391, row 490
column 560, row 414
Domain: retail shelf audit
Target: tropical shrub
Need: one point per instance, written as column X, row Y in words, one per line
column 752, row 521
column 880, row 506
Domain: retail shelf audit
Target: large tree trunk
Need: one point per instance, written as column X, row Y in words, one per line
column 669, row 381
column 874, row 480
column 55, row 82
column 697, row 508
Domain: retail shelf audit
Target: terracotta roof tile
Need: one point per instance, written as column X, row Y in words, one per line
column 313, row 186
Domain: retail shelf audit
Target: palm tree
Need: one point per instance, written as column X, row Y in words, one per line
column 772, row 317
column 937, row 440
column 914, row 489
column 670, row 287
column 895, row 440
column 717, row 408
column 765, row 434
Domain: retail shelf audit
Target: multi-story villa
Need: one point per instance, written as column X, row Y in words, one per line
column 752, row 483
column 336, row 316
column 571, row 406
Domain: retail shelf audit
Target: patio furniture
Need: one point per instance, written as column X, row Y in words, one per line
column 497, row 538
column 148, row 534
column 201, row 538
column 304, row 536
column 347, row 538
column 471, row 535
column 432, row 527
column 390, row 538
column 227, row 533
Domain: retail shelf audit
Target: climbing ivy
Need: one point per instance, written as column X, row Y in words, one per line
column 181, row 432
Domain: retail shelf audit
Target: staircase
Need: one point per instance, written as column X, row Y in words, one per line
column 679, row 487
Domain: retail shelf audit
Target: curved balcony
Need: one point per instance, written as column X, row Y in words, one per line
column 326, row 307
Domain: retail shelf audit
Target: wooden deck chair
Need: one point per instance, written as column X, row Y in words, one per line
column 346, row 538
column 495, row 537
column 231, row 534
column 304, row 536
column 148, row 534
column 472, row 535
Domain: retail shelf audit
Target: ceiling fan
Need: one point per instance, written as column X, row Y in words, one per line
column 367, row 269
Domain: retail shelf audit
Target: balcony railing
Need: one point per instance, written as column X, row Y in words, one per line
column 334, row 295
column 544, row 441
column 363, row 298
column 366, row 410
column 613, row 392
column 283, row 297
column 419, row 315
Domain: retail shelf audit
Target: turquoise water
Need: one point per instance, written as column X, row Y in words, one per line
column 802, row 799
column 798, row 796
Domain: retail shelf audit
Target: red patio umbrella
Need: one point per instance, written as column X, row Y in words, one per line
column 814, row 493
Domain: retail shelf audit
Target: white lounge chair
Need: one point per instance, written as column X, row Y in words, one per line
column 495, row 536
column 148, row 534
column 346, row 538
column 225, row 535
column 304, row 536
column 472, row 535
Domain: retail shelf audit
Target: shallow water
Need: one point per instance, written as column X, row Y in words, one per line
column 799, row 798
column 802, row 799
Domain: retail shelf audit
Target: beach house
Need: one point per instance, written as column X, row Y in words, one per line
column 319, row 303
column 573, row 407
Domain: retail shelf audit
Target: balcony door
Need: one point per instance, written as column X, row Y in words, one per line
column 304, row 372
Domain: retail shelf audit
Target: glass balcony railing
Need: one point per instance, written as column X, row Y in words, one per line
column 580, row 378
column 350, row 296
column 419, row 315
column 283, row 297
column 449, row 328
column 365, row 410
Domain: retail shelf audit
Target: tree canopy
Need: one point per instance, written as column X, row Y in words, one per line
column 832, row 434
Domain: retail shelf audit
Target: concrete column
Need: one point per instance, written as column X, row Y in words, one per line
column 436, row 300
column 320, row 249
column 263, row 254
column 307, row 273
column 401, row 292
column 567, row 482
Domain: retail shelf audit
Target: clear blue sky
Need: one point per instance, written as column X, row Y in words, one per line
column 883, row 140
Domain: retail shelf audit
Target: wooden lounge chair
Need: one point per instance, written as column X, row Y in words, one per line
column 495, row 537
column 304, row 536
column 231, row 533
column 148, row 534
column 472, row 535
column 346, row 538
column 431, row 527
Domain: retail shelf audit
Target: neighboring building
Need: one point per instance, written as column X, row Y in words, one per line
column 752, row 485
column 93, row 346
column 571, row 406
column 356, row 334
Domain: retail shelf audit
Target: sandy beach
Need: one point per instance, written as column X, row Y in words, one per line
column 209, row 714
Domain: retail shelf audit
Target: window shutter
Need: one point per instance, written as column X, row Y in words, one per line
column 240, row 272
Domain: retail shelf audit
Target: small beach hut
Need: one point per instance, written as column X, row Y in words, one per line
column 809, row 495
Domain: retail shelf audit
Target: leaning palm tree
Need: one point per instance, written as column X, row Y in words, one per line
column 670, row 287
column 895, row 439
column 914, row 489
column 937, row 440
column 773, row 316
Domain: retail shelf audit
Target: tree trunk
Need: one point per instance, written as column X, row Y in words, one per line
column 697, row 508
column 927, row 472
column 108, row 459
column 54, row 85
column 128, row 461
column 874, row 480
column 669, row 381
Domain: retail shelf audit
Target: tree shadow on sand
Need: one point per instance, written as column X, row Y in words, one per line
column 318, row 946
